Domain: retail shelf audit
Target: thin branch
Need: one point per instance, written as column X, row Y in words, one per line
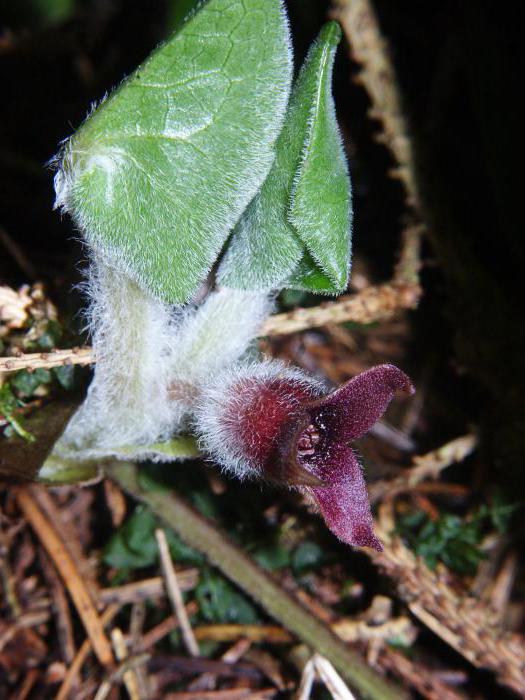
column 465, row 624
column 146, row 589
column 129, row 676
column 175, row 595
column 375, row 303
column 332, row 679
column 72, row 578
column 46, row 360
column 370, row 50
column 237, row 566
column 82, row 654
column 426, row 466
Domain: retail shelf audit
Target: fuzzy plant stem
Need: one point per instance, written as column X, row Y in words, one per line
column 204, row 536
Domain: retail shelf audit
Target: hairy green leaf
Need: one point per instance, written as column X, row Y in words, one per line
column 296, row 231
column 160, row 173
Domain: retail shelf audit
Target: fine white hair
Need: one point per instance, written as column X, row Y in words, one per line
column 216, row 436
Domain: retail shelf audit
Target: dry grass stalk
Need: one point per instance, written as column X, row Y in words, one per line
column 175, row 594
column 82, row 654
column 374, row 303
column 370, row 50
column 307, row 681
column 154, row 635
column 130, row 664
column 429, row 465
column 466, row 625
column 426, row 683
column 332, row 680
column 129, row 677
column 227, row 694
column 73, row 580
column 147, row 588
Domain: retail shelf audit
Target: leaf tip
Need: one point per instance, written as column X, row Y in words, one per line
column 331, row 33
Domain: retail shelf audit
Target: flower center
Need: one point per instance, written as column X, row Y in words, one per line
column 308, row 441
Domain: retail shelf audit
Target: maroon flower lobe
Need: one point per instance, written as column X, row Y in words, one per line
column 271, row 422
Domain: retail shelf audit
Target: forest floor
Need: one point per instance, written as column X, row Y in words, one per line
column 100, row 598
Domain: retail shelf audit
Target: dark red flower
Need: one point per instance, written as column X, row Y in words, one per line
column 270, row 421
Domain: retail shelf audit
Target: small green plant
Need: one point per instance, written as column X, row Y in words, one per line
column 204, row 185
column 453, row 540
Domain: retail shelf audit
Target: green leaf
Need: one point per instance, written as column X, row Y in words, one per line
column 178, row 11
column 272, row 555
column 160, row 173
column 296, row 232
column 134, row 545
column 219, row 601
column 308, row 555
column 320, row 204
column 26, row 383
column 66, row 376
column 51, row 337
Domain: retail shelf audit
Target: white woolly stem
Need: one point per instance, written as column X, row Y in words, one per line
column 152, row 362
column 127, row 401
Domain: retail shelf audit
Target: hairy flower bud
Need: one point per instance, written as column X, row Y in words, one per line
column 275, row 422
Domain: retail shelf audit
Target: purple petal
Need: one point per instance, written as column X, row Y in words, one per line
column 343, row 502
column 352, row 409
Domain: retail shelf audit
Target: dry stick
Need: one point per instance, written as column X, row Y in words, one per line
column 463, row 623
column 118, row 674
column 154, row 635
column 426, row 682
column 68, row 535
column 69, row 573
column 332, row 679
column 129, row 677
column 82, row 655
column 227, row 694
column 60, row 606
column 429, row 465
column 242, row 570
column 307, row 681
column 372, row 304
column 370, row 50
column 174, row 594
column 268, row 634
column 147, row 588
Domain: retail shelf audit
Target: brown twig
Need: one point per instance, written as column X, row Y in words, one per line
column 46, row 360
column 117, row 676
column 147, row 588
column 427, row 466
column 64, row 626
column 73, row 580
column 372, row 304
column 18, row 255
column 464, row 624
column 82, row 655
column 228, row 694
column 426, row 683
column 370, row 50
column 129, row 676
column 268, row 634
column 174, row 593
column 154, row 635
